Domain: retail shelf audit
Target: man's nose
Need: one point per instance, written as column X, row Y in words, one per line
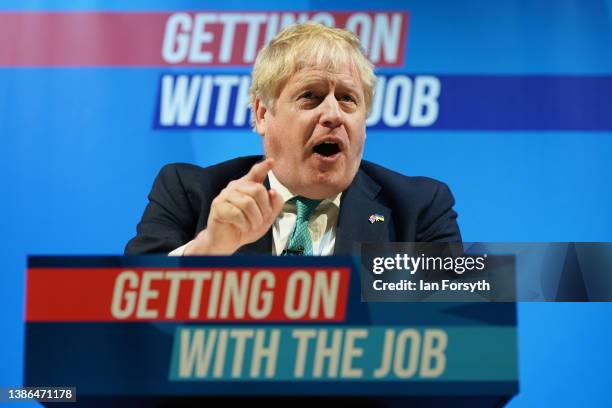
column 331, row 115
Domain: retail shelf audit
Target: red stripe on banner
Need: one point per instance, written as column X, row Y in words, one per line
column 180, row 38
column 236, row 294
column 81, row 39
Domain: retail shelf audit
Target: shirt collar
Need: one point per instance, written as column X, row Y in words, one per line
column 288, row 195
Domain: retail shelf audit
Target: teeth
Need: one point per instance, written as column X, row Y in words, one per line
column 329, row 142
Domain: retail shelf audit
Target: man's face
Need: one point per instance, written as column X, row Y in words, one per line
column 315, row 131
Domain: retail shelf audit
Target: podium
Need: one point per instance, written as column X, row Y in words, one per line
column 168, row 331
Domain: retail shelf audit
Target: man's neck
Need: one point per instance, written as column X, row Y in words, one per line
column 287, row 195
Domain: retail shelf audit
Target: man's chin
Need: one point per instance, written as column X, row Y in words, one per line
column 323, row 186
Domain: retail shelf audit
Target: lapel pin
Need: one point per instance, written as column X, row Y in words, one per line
column 376, row 218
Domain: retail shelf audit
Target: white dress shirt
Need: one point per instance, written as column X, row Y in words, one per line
column 322, row 223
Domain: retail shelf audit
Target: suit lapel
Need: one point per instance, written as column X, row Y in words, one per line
column 358, row 205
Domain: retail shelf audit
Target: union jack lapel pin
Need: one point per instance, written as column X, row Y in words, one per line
column 376, row 218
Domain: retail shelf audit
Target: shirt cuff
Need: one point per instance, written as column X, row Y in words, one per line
column 180, row 251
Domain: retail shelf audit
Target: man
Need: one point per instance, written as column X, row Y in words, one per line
column 311, row 90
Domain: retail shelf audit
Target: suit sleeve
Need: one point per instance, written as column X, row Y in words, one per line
column 168, row 221
column 439, row 221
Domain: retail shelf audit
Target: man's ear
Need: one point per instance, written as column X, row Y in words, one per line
column 260, row 116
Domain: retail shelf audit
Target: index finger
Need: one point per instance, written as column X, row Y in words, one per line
column 259, row 171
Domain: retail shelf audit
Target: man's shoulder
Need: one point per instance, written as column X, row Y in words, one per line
column 392, row 182
column 421, row 207
column 227, row 170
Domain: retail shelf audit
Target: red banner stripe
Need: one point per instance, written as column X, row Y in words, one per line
column 81, row 39
column 236, row 294
column 136, row 39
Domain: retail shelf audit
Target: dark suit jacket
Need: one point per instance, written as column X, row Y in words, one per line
column 416, row 209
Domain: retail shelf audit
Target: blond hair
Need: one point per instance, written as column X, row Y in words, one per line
column 303, row 45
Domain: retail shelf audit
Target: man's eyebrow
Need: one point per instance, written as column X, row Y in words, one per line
column 314, row 79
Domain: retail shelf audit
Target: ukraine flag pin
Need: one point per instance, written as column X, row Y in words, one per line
column 376, row 218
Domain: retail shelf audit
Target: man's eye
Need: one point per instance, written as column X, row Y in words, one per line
column 347, row 98
column 308, row 95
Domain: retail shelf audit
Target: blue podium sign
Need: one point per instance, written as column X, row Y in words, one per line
column 253, row 326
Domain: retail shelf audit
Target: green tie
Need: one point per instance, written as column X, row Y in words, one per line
column 300, row 242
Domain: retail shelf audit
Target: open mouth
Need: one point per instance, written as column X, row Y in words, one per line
column 327, row 148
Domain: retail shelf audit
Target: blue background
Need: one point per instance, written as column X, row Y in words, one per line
column 79, row 155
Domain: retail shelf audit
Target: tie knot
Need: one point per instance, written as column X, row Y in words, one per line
column 305, row 207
